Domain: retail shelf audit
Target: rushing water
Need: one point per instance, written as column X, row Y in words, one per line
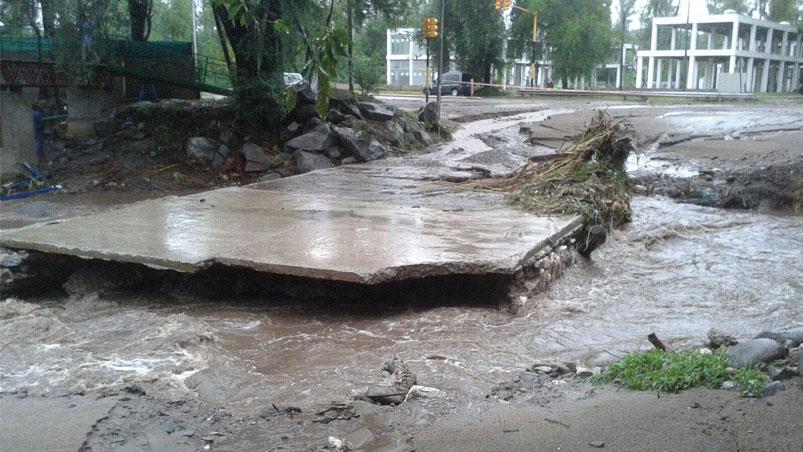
column 677, row 270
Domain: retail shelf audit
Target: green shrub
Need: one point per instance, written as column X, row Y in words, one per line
column 674, row 371
column 368, row 75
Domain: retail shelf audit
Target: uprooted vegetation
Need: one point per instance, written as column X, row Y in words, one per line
column 589, row 179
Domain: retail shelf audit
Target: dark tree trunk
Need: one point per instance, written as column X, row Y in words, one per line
column 140, row 12
column 564, row 81
column 257, row 57
column 351, row 46
column 48, row 18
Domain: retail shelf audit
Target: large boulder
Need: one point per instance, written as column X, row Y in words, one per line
column 394, row 132
column 377, row 111
column 200, row 150
column 755, row 352
column 345, row 107
column 223, row 152
column 428, row 114
column 422, row 137
column 789, row 338
column 256, row 159
column 318, row 140
column 304, row 113
column 311, row 161
column 359, row 146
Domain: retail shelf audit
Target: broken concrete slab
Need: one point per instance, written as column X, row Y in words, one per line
column 333, row 224
column 384, row 221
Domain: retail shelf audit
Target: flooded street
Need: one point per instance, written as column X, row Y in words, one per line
column 677, row 270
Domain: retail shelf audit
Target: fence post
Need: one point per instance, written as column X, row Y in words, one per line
column 472, row 87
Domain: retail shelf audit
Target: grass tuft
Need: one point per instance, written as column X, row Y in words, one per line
column 656, row 370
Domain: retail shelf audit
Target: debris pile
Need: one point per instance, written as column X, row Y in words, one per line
column 589, row 179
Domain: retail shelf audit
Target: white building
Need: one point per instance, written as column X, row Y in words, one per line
column 757, row 55
column 406, row 60
column 612, row 69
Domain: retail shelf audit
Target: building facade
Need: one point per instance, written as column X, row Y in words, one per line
column 406, row 59
column 705, row 52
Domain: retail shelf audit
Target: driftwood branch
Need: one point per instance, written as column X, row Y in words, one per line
column 656, row 342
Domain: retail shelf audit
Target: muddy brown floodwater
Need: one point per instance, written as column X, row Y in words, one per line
column 677, row 270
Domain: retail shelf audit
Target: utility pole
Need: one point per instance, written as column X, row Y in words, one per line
column 194, row 34
column 440, row 61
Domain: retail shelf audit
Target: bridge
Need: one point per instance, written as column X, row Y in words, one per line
column 31, row 62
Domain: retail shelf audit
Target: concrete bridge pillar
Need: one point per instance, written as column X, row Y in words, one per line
column 16, row 130
column 85, row 106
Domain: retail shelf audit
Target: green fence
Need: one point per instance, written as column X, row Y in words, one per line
column 168, row 62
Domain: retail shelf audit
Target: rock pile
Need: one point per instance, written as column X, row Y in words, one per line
column 350, row 132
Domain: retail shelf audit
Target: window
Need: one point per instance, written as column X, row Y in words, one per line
column 400, row 44
column 399, row 72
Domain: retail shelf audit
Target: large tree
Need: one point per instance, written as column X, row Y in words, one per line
column 579, row 34
column 357, row 11
column 140, row 12
column 655, row 8
column 521, row 30
column 783, row 10
column 474, row 32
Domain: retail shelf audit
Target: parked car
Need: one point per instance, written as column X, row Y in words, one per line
column 292, row 78
column 451, row 84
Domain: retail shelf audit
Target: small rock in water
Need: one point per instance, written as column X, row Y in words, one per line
column 772, row 388
column 718, row 339
column 135, row 389
column 334, row 442
column 695, row 405
column 597, row 444
column 783, row 373
column 584, row 372
column 422, row 392
column 728, row 385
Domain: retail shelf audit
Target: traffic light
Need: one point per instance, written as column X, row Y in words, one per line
column 501, row 5
column 430, row 28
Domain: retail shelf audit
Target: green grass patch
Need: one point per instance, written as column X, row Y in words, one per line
column 656, row 370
